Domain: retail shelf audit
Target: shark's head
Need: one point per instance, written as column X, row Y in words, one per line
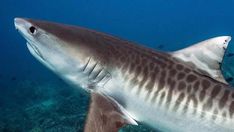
column 44, row 42
column 62, row 48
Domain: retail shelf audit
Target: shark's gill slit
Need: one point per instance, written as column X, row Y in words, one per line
column 101, row 78
column 92, row 69
column 36, row 51
column 108, row 78
column 86, row 65
column 98, row 73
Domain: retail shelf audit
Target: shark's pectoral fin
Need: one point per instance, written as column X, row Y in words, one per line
column 105, row 115
column 206, row 56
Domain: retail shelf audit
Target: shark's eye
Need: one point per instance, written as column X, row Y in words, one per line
column 33, row 30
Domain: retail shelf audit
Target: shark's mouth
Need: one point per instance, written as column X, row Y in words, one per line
column 37, row 54
column 35, row 50
column 32, row 48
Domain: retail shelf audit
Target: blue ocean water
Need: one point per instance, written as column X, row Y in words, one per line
column 32, row 98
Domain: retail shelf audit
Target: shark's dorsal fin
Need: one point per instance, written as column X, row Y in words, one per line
column 105, row 115
column 206, row 56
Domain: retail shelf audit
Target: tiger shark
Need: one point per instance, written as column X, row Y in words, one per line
column 180, row 91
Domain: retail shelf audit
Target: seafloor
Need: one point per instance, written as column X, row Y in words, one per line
column 52, row 106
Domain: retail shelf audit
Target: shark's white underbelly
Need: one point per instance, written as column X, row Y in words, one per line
column 162, row 119
column 158, row 116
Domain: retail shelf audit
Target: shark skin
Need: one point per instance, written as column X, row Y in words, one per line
column 182, row 91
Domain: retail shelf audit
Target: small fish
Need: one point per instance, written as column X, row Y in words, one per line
column 230, row 54
column 161, row 46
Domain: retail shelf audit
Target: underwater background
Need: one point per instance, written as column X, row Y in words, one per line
column 33, row 99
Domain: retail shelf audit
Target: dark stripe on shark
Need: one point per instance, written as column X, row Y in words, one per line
column 224, row 99
column 162, row 96
column 161, row 84
column 205, row 85
column 144, row 79
column 216, row 90
column 150, row 85
column 178, row 101
column 231, row 109
column 171, row 83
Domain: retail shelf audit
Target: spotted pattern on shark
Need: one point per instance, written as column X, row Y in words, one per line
column 165, row 84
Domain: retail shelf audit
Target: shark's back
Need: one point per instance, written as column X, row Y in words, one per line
column 167, row 93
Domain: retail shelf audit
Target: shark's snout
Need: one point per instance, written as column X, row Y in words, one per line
column 24, row 27
column 20, row 23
